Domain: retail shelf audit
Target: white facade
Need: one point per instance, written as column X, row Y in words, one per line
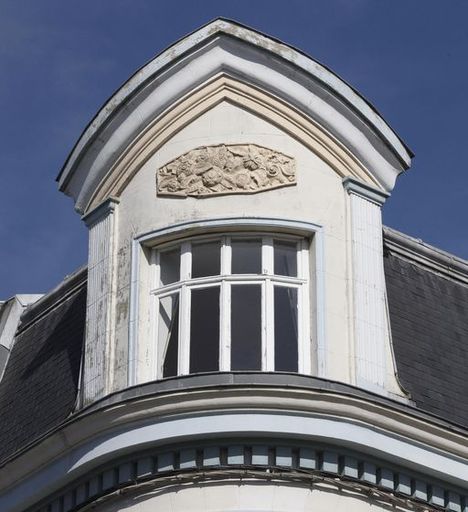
column 212, row 96
column 295, row 157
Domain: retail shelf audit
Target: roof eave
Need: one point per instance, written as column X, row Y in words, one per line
column 233, row 29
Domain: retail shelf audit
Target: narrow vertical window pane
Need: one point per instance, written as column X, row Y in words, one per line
column 246, row 327
column 286, row 347
column 206, row 259
column 168, row 334
column 169, row 264
column 285, row 258
column 246, row 256
column 204, row 330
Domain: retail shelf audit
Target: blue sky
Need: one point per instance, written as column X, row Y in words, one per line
column 60, row 60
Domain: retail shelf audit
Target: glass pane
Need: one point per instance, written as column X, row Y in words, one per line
column 246, row 327
column 285, row 258
column 286, row 349
column 168, row 334
column 169, row 264
column 204, row 330
column 206, row 259
column 246, row 256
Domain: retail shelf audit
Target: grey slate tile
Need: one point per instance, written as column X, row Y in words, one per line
column 39, row 387
column 429, row 321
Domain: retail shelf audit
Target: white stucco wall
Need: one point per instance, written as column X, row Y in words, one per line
column 317, row 198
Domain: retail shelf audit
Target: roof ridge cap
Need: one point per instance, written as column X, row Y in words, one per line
column 50, row 299
column 431, row 257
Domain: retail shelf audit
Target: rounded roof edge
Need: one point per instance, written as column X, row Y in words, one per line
column 234, row 29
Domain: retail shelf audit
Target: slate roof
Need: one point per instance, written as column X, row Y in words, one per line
column 429, row 321
column 40, row 383
column 428, row 306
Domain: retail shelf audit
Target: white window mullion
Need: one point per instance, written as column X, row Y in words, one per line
column 225, row 327
column 225, row 307
column 226, row 256
column 303, row 364
column 184, row 331
column 268, row 341
column 304, row 341
column 184, row 315
column 268, row 261
column 156, row 361
column 156, row 274
column 186, row 261
column 299, row 259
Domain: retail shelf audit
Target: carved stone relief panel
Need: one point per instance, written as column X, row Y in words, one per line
column 225, row 169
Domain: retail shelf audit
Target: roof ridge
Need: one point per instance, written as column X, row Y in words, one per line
column 416, row 250
column 51, row 299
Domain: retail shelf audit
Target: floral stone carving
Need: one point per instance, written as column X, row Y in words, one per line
column 225, row 169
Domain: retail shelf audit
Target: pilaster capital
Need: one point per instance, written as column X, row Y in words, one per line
column 105, row 208
column 353, row 186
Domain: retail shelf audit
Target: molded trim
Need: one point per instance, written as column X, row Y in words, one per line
column 100, row 211
column 223, row 225
column 246, row 62
column 365, row 191
column 384, row 430
column 282, row 460
column 227, row 87
column 221, row 28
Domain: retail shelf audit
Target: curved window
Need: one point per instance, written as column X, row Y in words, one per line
column 230, row 303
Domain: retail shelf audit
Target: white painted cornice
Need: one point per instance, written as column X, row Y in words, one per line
column 101, row 434
column 226, row 47
column 365, row 191
column 100, row 211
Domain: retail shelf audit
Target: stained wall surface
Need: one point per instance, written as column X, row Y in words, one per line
column 317, row 198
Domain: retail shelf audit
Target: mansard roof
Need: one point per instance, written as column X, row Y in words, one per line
column 428, row 306
column 38, row 390
column 224, row 47
column 428, row 301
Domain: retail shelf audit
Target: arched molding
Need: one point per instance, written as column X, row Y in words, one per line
column 278, row 464
column 246, row 96
column 226, row 48
column 315, row 352
column 99, row 434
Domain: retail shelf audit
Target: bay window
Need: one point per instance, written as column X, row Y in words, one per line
column 231, row 303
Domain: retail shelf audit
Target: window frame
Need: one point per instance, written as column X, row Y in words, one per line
column 140, row 346
column 267, row 281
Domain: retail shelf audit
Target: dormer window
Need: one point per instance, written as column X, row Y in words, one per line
column 230, row 303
